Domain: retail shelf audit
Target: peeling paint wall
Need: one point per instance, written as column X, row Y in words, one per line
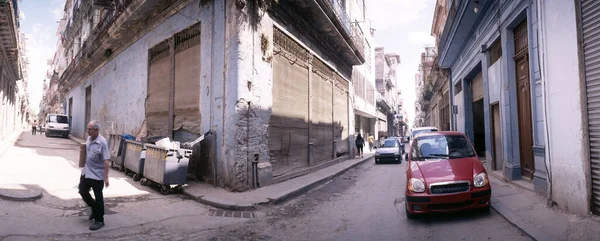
column 119, row 87
column 569, row 165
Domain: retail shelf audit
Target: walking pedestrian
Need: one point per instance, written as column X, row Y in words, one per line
column 359, row 144
column 34, row 127
column 371, row 140
column 95, row 173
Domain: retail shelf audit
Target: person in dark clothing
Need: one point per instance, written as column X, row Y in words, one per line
column 34, row 128
column 360, row 142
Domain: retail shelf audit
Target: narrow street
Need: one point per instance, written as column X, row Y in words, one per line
column 366, row 203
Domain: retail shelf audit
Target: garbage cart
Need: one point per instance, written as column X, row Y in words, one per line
column 135, row 156
column 165, row 167
column 115, row 148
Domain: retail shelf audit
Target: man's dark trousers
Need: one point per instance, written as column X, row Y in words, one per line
column 97, row 205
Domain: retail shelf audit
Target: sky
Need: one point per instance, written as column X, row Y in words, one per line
column 39, row 21
column 403, row 27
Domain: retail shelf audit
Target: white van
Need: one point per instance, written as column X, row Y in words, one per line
column 57, row 124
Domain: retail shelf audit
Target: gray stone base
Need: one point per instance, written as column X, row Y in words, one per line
column 540, row 186
column 265, row 174
column 512, row 173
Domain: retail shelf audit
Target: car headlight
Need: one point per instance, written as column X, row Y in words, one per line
column 480, row 180
column 416, row 185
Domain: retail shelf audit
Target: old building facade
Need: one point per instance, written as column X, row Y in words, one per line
column 388, row 98
column 435, row 92
column 274, row 87
column 14, row 108
column 490, row 50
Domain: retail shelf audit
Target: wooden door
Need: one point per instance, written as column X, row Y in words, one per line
column 497, row 138
column 524, row 111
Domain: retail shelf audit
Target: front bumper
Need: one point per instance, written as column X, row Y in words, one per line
column 388, row 158
column 57, row 132
column 418, row 203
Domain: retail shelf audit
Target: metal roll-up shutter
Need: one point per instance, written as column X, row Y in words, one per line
column 590, row 14
column 477, row 87
column 187, row 80
column 157, row 103
column 321, row 116
column 340, row 115
column 288, row 125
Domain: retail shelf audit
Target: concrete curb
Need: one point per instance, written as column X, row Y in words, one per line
column 11, row 142
column 225, row 204
column 528, row 228
column 278, row 199
column 11, row 193
column 512, row 217
column 290, row 194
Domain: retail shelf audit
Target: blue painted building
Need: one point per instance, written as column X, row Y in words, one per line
column 490, row 49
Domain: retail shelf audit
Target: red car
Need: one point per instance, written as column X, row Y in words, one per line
column 444, row 174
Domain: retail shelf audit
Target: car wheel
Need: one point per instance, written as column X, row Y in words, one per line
column 408, row 214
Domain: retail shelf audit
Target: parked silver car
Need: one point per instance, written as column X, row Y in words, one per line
column 390, row 151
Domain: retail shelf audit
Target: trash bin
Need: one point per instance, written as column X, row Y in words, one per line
column 115, row 147
column 165, row 167
column 135, row 155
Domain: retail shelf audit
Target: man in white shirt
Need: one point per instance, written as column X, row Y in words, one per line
column 95, row 173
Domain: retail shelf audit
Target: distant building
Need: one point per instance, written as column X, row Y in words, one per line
column 13, row 83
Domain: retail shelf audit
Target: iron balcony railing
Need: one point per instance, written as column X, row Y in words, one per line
column 359, row 40
column 92, row 43
column 352, row 29
column 340, row 12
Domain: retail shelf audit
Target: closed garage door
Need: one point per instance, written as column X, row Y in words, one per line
column 288, row 126
column 590, row 12
column 477, row 85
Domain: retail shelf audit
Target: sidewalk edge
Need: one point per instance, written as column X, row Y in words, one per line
column 531, row 230
column 225, row 204
column 11, row 142
column 294, row 193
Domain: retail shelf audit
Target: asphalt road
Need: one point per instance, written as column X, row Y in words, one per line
column 366, row 203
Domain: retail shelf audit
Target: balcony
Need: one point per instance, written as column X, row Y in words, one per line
column 119, row 24
column 461, row 19
column 8, row 35
column 328, row 24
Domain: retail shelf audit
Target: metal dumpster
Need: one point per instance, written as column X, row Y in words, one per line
column 135, row 155
column 115, row 147
column 165, row 167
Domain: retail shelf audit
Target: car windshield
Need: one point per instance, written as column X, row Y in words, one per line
column 435, row 147
column 59, row 119
column 415, row 133
column 390, row 143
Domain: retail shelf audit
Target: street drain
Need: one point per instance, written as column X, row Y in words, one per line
column 230, row 214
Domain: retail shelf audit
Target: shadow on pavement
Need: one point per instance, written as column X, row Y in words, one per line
column 463, row 216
